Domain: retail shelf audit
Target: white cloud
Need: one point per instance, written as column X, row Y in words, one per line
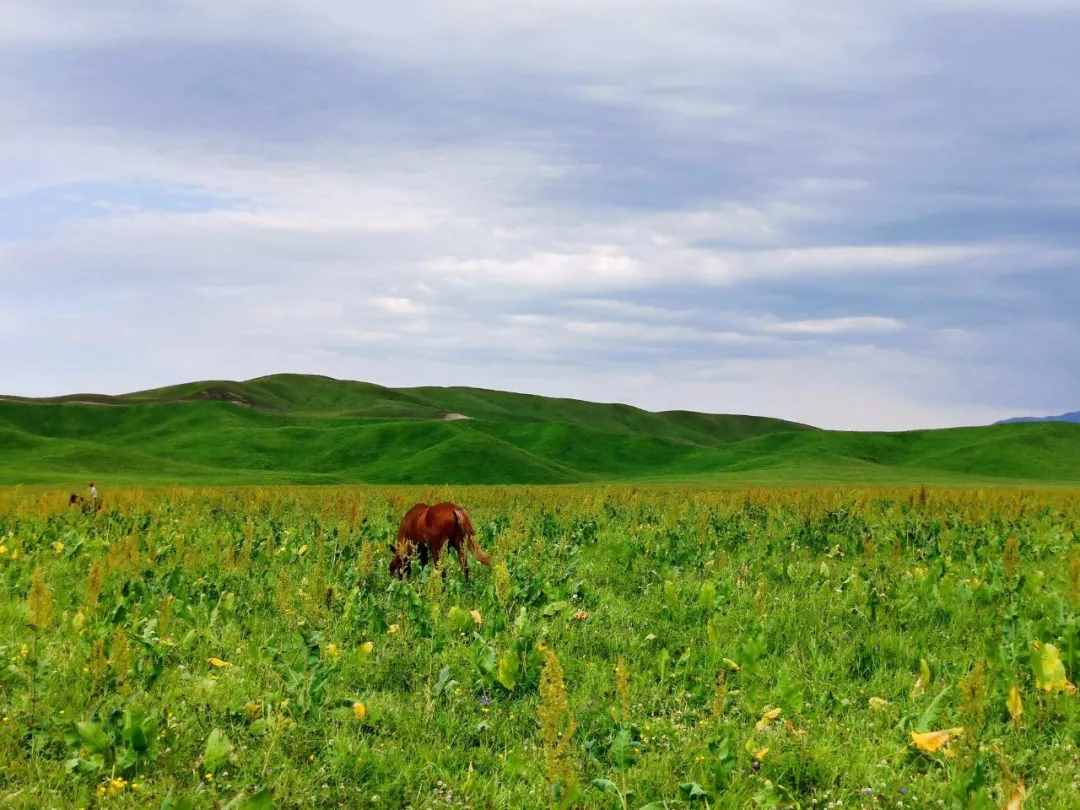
column 599, row 266
column 836, row 326
column 397, row 306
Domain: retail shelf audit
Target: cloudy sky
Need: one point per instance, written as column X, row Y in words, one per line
column 854, row 214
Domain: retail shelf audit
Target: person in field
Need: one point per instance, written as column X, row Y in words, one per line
column 427, row 530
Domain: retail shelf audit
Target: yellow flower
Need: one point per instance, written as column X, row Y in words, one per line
column 58, row 547
column 767, row 717
column 217, row 663
column 476, row 617
column 1015, row 704
column 3, row 550
column 332, row 651
column 367, row 648
column 931, row 742
column 393, row 628
column 760, row 754
column 113, row 787
column 359, row 711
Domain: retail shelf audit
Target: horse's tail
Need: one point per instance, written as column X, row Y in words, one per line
column 466, row 528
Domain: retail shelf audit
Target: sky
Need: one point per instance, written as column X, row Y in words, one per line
column 853, row 214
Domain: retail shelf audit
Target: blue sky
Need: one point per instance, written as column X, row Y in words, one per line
column 862, row 215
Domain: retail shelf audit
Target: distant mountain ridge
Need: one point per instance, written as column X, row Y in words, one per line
column 305, row 429
column 1073, row 416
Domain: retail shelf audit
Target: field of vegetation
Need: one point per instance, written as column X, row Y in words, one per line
column 657, row 647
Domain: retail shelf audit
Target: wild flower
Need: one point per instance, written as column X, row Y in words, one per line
column 120, row 655
column 973, row 690
column 112, row 787
column 557, row 727
column 1015, row 704
column 39, row 602
column 503, row 583
column 98, row 663
column 1010, row 556
column 365, row 562
column 931, row 742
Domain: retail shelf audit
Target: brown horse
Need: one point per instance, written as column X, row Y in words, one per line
column 428, row 529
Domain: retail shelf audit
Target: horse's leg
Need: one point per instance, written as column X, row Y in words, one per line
column 463, row 559
column 425, row 553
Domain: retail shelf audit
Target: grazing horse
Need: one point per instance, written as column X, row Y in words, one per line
column 429, row 529
column 84, row 504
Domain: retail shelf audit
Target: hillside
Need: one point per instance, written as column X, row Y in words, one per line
column 306, row 429
column 1073, row 416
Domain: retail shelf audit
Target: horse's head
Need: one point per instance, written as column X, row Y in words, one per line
column 399, row 564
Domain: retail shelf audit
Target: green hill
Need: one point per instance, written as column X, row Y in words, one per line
column 308, row 429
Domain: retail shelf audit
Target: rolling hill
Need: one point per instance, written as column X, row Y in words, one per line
column 290, row 428
column 1072, row 416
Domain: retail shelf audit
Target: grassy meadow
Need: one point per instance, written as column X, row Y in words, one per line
column 631, row 647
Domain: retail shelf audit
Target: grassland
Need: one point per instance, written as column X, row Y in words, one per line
column 631, row 647
column 303, row 429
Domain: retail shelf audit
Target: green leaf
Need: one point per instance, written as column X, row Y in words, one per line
column 263, row 800
column 927, row 718
column 487, row 662
column 624, row 751
column 552, row 608
column 605, row 785
column 707, row 595
column 445, row 684
column 135, row 728
column 459, row 619
column 693, row 792
column 217, row 751
column 171, row 802
column 507, row 674
column 93, row 736
column 260, row 727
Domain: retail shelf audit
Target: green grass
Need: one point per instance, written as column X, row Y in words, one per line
column 304, row 429
column 212, row 649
